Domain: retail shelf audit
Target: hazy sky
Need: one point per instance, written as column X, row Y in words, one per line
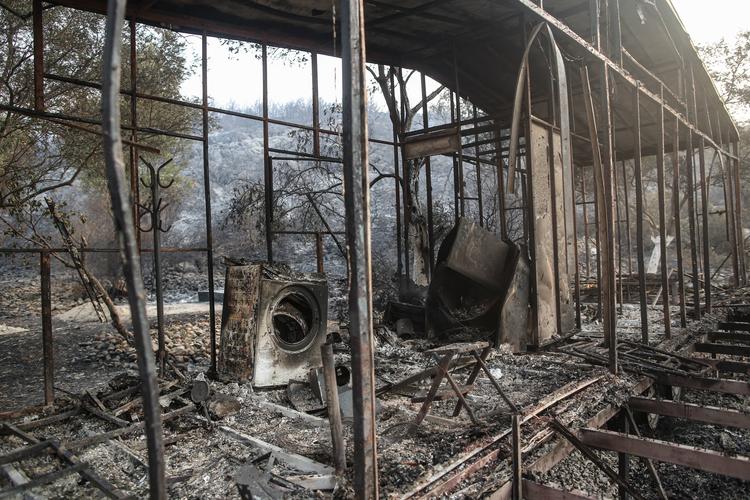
column 235, row 80
column 707, row 21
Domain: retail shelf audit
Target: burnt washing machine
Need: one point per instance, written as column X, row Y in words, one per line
column 273, row 324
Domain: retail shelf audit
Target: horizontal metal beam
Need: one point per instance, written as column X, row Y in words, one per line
column 689, row 411
column 726, row 386
column 673, row 453
column 728, row 349
column 741, row 326
column 736, row 336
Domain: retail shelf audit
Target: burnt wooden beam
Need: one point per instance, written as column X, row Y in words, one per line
column 729, row 349
column 726, row 386
column 689, row 411
column 664, row 451
column 741, row 326
column 535, row 491
column 735, row 336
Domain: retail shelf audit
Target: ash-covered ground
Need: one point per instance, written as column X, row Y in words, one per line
column 202, row 460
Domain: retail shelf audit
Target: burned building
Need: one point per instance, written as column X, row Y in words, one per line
column 520, row 337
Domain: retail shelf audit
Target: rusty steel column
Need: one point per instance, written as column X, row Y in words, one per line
column 38, row 33
column 319, row 252
column 397, row 185
column 608, row 265
column 428, row 182
column 501, row 185
column 639, row 215
column 135, row 191
column 207, row 202
column 689, row 157
column 586, row 226
column 48, row 353
column 627, row 223
column 267, row 163
column 357, row 201
column 738, row 214
column 125, row 227
column 660, row 179
column 704, row 218
column 676, row 214
column 315, row 104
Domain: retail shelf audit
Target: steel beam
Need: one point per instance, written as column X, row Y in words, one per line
column 357, row 201
column 689, row 411
column 664, row 451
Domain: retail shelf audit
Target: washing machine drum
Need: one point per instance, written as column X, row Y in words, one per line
column 295, row 319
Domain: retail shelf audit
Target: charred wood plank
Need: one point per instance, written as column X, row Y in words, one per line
column 689, row 411
column 664, row 451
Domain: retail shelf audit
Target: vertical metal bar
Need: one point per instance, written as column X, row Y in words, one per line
column 517, row 457
column 406, row 176
column 461, row 183
column 334, row 410
column 267, row 162
column 618, row 218
column 586, row 226
column 397, row 180
column 457, row 200
column 704, row 217
column 125, row 226
column 319, row 252
column 357, row 200
column 738, row 213
column 608, row 264
column 38, row 33
column 676, row 214
column 575, row 245
column 501, row 185
column 627, row 223
column 478, row 171
column 616, row 52
column 660, row 179
column 48, row 353
column 207, row 195
column 639, row 215
column 555, row 243
column 156, row 233
column 428, row 181
column 594, row 14
column 315, row 104
column 135, row 191
column 690, row 160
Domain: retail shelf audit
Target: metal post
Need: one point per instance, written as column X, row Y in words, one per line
column 517, row 458
column 134, row 186
column 501, row 185
column 406, row 176
column 315, row 105
column 738, row 215
column 639, row 216
column 428, row 182
column 457, row 199
column 461, row 187
column 207, row 201
column 627, row 223
column 38, row 33
column 704, row 217
column 660, row 179
column 357, row 200
column 480, row 202
column 689, row 156
column 125, row 225
column 397, row 183
column 586, row 227
column 47, row 347
column 319, row 252
column 267, row 162
column 608, row 265
column 334, row 410
column 676, row 214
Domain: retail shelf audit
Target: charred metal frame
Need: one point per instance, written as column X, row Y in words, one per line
column 679, row 128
